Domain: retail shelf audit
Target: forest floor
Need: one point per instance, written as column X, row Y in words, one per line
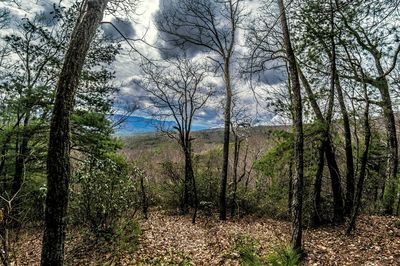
column 174, row 240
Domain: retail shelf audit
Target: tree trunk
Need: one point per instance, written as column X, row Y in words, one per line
column 391, row 184
column 144, row 197
column 196, row 200
column 227, row 123
column 334, row 171
column 335, row 82
column 363, row 167
column 335, row 183
column 58, row 160
column 290, row 196
column 349, row 200
column 297, row 204
column 235, row 174
column 316, row 214
column 21, row 156
column 186, row 182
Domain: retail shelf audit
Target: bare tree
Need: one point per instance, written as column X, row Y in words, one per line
column 178, row 91
column 240, row 125
column 210, row 25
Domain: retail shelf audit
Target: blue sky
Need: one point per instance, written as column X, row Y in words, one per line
column 140, row 125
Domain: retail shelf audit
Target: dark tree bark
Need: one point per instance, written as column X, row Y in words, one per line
column 338, row 210
column 186, row 183
column 363, row 166
column 297, row 204
column 144, row 197
column 327, row 146
column 227, row 123
column 193, row 180
column 58, row 162
column 21, row 156
column 316, row 213
column 237, row 144
column 380, row 82
column 391, row 185
column 290, row 196
column 349, row 200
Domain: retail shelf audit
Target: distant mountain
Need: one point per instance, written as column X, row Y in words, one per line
column 133, row 125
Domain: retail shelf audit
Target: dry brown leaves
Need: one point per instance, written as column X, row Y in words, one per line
column 174, row 239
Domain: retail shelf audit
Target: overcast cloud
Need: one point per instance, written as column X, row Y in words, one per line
column 144, row 27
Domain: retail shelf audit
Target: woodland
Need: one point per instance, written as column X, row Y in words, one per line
column 275, row 136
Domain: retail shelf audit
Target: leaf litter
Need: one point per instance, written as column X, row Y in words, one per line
column 174, row 240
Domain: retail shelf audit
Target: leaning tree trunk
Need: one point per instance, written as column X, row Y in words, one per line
column 335, row 82
column 297, row 204
column 338, row 210
column 391, row 184
column 349, row 200
column 227, row 123
column 58, row 160
column 316, row 213
column 363, row 167
column 327, row 146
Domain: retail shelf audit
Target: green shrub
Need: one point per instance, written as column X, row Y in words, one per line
column 102, row 192
column 246, row 248
column 126, row 235
column 283, row 256
column 169, row 259
column 170, row 191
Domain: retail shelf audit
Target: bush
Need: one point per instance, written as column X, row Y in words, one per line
column 102, row 192
column 170, row 191
column 283, row 256
column 245, row 246
column 126, row 235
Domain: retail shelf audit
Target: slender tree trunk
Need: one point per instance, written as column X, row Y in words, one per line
column 186, row 185
column 391, row 185
column 338, row 210
column 227, row 123
column 349, row 201
column 235, row 174
column 335, row 82
column 334, row 171
column 21, row 156
column 3, row 157
column 297, row 204
column 189, row 174
column 58, row 160
column 290, row 196
column 316, row 214
column 363, row 167
column 144, row 197
column 195, row 197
